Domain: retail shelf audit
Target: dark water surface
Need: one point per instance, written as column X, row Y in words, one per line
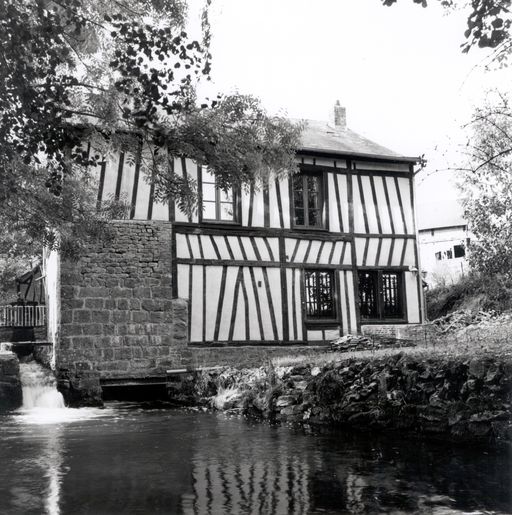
column 128, row 460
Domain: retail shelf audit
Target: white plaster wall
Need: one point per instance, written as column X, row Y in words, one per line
column 436, row 240
column 51, row 272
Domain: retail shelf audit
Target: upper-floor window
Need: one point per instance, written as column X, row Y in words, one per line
column 307, row 200
column 218, row 205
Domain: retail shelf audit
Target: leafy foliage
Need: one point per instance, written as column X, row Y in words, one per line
column 116, row 73
column 487, row 188
column 475, row 291
column 488, row 24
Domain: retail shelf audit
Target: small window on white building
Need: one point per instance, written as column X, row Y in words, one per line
column 459, row 251
column 439, row 256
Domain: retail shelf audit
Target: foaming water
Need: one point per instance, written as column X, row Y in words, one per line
column 43, row 416
column 39, row 387
column 42, row 403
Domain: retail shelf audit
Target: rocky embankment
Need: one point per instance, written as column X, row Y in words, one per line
column 11, row 396
column 464, row 400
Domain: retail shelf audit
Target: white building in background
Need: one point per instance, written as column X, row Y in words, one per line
column 443, row 252
column 443, row 235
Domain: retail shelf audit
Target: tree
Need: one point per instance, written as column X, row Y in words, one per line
column 486, row 178
column 118, row 73
column 488, row 25
column 487, row 187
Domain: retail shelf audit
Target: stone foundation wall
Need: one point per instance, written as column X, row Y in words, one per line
column 43, row 354
column 118, row 318
column 11, row 396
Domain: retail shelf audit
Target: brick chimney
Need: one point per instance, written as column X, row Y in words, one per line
column 340, row 116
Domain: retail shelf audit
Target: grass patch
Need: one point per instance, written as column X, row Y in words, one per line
column 491, row 339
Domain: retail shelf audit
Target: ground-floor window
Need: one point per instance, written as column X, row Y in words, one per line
column 381, row 295
column 319, row 289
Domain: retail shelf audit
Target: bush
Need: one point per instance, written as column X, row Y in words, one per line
column 473, row 292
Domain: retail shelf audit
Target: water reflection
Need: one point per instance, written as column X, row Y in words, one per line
column 53, row 462
column 163, row 461
column 248, row 477
column 287, row 471
column 35, row 471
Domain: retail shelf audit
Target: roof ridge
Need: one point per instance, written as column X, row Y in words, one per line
column 321, row 136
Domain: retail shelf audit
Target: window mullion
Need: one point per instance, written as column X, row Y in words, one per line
column 305, row 199
column 217, row 201
column 380, row 295
column 317, row 294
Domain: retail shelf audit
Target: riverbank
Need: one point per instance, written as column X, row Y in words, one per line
column 456, row 387
column 450, row 392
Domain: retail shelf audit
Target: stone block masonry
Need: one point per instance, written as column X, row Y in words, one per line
column 118, row 317
column 11, row 396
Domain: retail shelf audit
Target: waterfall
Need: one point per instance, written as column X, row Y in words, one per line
column 39, row 387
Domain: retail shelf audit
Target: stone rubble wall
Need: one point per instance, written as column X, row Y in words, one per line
column 43, row 354
column 462, row 400
column 11, row 396
column 118, row 317
column 119, row 320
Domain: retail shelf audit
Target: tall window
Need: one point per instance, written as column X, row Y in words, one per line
column 307, row 200
column 319, row 285
column 218, row 205
column 381, row 295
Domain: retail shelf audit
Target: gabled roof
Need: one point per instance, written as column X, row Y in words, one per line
column 319, row 136
column 439, row 214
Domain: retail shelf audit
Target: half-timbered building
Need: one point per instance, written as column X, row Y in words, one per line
column 306, row 258
column 327, row 251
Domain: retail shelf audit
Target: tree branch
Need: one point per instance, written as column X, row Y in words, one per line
column 492, row 158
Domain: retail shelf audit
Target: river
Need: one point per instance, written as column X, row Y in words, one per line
column 129, row 459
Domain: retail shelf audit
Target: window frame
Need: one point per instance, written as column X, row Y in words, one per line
column 462, row 248
column 322, row 198
column 324, row 321
column 381, row 318
column 217, row 220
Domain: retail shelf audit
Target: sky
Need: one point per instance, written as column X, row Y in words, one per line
column 399, row 72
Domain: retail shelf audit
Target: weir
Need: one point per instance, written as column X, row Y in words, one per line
column 39, row 387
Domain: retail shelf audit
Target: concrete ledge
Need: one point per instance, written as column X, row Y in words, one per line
column 133, row 381
column 247, row 356
column 411, row 332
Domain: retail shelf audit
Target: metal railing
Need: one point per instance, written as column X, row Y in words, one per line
column 22, row 316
